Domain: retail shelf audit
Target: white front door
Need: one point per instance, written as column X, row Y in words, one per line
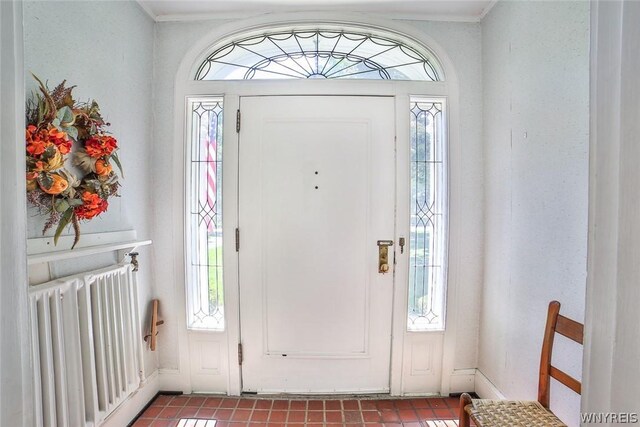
column 317, row 181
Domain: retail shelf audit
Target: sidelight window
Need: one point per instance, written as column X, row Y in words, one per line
column 205, row 296
column 427, row 243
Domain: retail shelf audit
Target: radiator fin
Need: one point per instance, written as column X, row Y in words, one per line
column 87, row 346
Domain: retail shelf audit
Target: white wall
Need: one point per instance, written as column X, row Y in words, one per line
column 536, row 79
column 106, row 49
column 612, row 342
column 16, row 392
column 461, row 41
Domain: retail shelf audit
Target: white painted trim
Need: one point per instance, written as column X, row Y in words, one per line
column 146, row 9
column 487, row 9
column 188, row 17
column 16, row 387
column 485, row 388
column 462, row 380
column 127, row 411
column 42, row 245
column 178, row 379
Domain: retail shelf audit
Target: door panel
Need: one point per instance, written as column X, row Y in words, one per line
column 316, row 193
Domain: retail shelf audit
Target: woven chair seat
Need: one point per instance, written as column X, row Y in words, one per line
column 511, row 413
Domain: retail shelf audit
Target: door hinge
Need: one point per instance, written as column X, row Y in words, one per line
column 237, row 240
column 240, row 354
column 238, row 121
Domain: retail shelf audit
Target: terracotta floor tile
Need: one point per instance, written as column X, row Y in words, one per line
column 389, row 415
column 229, row 402
column 296, row 417
column 352, row 417
column 426, row 414
column 298, row 405
column 314, row 405
column 170, row 412
column 263, row 404
column 179, row 401
column 368, row 405
column 223, row 414
column 196, row 401
column 350, row 405
column 437, row 402
column 403, row 404
column 371, row 416
column 151, row 412
column 241, row 415
column 206, row 413
column 246, row 403
column 443, row 413
column 408, row 415
column 212, row 402
column 333, row 416
column 280, row 404
column 420, row 403
column 385, row 404
column 315, row 416
column 188, row 412
column 259, row 416
column 163, row 399
column 167, row 410
column 278, row 416
column 332, row 405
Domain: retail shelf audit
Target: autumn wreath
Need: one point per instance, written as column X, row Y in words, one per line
column 59, row 126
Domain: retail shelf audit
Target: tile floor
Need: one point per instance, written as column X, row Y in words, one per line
column 210, row 411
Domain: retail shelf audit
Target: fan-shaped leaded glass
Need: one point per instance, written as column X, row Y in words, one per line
column 325, row 54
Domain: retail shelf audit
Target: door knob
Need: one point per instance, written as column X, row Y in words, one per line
column 383, row 255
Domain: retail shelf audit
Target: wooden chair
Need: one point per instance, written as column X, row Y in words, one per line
column 509, row 413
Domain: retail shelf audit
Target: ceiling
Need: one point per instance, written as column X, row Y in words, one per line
column 442, row 10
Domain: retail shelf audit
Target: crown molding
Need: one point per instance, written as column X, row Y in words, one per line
column 487, row 9
column 147, row 10
column 223, row 16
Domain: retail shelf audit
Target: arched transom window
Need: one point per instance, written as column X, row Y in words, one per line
column 319, row 54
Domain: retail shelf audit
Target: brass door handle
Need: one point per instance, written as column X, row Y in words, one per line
column 383, row 255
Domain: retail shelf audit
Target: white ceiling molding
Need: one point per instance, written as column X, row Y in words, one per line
column 487, row 9
column 423, row 10
column 147, row 9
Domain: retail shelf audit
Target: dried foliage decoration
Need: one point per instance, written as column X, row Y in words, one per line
column 58, row 127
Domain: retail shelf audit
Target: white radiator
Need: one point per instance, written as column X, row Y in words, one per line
column 87, row 346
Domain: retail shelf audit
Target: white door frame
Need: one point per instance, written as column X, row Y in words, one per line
column 232, row 91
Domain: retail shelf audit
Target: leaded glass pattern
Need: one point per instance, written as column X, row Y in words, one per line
column 321, row 53
column 206, row 296
column 426, row 240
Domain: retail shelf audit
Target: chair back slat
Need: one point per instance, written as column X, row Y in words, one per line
column 566, row 379
column 570, row 328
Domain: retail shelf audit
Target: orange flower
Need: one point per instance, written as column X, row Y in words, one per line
column 36, row 147
column 38, row 140
column 31, row 132
column 103, row 168
column 100, row 146
column 59, row 185
column 60, row 139
column 92, row 205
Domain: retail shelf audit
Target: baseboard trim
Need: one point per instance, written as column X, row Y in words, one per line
column 130, row 408
column 461, row 381
column 485, row 388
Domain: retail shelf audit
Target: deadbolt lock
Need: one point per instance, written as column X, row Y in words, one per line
column 383, row 255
